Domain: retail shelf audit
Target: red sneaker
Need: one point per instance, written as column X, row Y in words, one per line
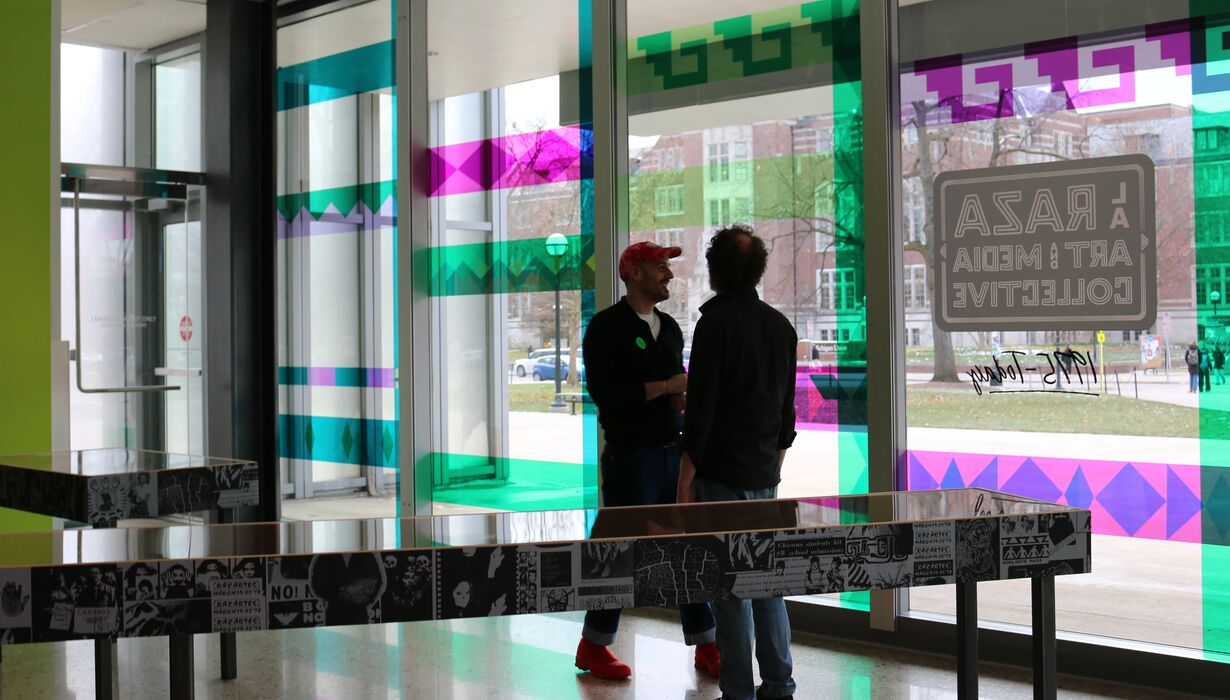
column 600, row 662
column 708, row 659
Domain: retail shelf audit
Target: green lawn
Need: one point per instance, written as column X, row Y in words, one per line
column 535, row 396
column 945, row 406
column 957, row 406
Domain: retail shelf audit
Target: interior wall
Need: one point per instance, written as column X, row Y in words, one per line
column 26, row 138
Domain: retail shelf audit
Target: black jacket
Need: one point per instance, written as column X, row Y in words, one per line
column 620, row 357
column 741, row 377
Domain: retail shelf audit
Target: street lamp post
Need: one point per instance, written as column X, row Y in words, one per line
column 557, row 245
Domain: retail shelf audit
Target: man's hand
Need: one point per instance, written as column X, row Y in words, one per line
column 677, row 384
column 677, row 403
column 687, row 471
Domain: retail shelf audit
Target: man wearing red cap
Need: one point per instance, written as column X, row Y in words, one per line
column 634, row 372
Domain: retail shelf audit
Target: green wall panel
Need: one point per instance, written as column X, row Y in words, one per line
column 25, row 267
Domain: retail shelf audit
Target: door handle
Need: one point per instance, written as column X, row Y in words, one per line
column 177, row 371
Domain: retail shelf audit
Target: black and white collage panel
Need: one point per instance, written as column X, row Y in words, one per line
column 148, row 494
column 190, row 596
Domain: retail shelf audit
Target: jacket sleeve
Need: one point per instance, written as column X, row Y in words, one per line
column 786, row 434
column 611, row 383
column 704, row 373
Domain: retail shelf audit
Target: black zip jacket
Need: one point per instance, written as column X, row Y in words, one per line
column 620, row 357
column 740, row 410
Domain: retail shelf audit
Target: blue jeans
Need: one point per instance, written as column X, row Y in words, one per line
column 739, row 620
column 643, row 477
column 1193, row 381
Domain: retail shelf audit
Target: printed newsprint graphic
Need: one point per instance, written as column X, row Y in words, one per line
column 409, row 593
column 185, row 491
column 14, row 606
column 669, row 572
column 236, row 589
column 325, row 589
column 75, row 602
column 165, row 598
column 977, row 549
column 604, row 571
column 934, row 553
column 237, row 485
column 1045, row 543
column 775, row 564
column 1047, row 246
column 476, row 583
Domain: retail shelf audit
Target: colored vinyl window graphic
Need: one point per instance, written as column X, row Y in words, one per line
column 1159, row 95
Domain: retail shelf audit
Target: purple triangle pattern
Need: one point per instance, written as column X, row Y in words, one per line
column 1130, row 500
column 1032, row 482
column 989, row 477
column 920, row 478
column 1079, row 494
column 952, row 477
column 1181, row 503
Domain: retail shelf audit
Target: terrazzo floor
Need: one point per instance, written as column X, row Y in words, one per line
column 516, row 658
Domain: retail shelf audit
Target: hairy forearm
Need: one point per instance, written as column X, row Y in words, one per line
column 655, row 389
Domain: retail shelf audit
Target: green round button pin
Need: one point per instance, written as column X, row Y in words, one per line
column 640, row 342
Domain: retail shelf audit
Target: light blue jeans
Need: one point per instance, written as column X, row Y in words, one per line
column 738, row 621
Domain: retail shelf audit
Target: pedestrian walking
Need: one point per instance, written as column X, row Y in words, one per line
column 1192, row 358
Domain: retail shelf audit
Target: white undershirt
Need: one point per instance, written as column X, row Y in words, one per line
column 655, row 324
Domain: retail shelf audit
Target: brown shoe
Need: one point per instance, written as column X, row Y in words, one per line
column 708, row 659
column 600, row 662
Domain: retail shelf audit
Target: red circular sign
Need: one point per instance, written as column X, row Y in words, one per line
column 185, row 328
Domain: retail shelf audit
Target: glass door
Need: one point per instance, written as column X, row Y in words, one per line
column 182, row 334
column 132, row 302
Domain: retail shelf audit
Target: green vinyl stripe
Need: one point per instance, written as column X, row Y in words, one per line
column 1211, row 110
column 26, row 187
column 507, row 267
column 360, row 441
column 841, row 17
column 736, row 47
column 373, row 195
column 795, row 186
column 747, row 46
column 342, row 74
column 530, row 484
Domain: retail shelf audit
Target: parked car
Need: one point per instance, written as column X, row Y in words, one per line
column 525, row 365
column 545, row 369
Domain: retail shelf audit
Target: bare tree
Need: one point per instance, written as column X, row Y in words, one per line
column 946, row 147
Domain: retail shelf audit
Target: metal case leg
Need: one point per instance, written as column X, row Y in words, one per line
column 1043, row 595
column 104, row 657
column 182, row 683
column 967, row 640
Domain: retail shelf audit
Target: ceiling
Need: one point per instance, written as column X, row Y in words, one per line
column 132, row 25
column 475, row 44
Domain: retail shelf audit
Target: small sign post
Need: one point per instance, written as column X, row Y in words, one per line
column 1102, row 359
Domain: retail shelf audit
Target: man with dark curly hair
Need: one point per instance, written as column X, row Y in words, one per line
column 737, row 428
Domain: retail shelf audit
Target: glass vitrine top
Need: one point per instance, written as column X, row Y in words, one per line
column 539, row 527
column 111, row 461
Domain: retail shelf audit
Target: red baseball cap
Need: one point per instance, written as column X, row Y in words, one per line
column 644, row 251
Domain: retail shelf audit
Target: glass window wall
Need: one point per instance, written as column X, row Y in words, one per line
column 752, row 115
column 335, row 263
column 1094, row 412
